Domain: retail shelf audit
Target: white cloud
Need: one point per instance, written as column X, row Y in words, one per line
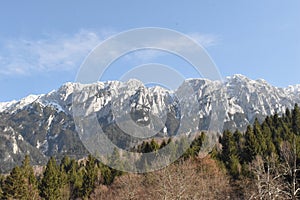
column 205, row 40
column 144, row 55
column 55, row 53
column 61, row 52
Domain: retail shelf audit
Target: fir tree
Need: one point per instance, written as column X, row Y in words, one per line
column 116, row 163
column 262, row 147
column 75, row 177
column 239, row 141
column 106, row 175
column 14, row 186
column 1, row 186
column 163, row 144
column 89, row 176
column 65, row 164
column 230, row 154
column 154, row 146
column 275, row 120
column 29, row 179
column 51, row 181
column 182, row 146
column 115, row 159
column 266, row 131
column 21, row 183
column 288, row 116
column 64, row 178
column 228, row 146
column 197, row 144
column 171, row 150
column 251, row 146
column 296, row 120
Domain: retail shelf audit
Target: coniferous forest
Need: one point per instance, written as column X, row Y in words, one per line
column 261, row 163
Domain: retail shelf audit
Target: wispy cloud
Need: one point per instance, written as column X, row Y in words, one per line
column 56, row 52
column 62, row 52
column 205, row 40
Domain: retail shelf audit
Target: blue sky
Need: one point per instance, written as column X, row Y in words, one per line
column 43, row 43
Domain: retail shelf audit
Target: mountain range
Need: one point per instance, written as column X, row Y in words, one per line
column 44, row 125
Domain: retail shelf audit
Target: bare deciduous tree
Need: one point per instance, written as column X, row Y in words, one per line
column 290, row 168
column 190, row 179
column 269, row 179
column 277, row 179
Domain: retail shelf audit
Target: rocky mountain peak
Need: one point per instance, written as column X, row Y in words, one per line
column 43, row 125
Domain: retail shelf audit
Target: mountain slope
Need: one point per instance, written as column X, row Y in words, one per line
column 43, row 125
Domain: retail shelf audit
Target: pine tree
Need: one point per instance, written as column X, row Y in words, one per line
column 50, row 187
column 14, row 186
column 163, row 144
column 65, row 164
column 29, row 180
column 230, row 154
column 115, row 159
column 182, row 146
column 75, row 177
column 171, row 150
column 228, row 146
column 269, row 121
column 65, row 167
column 21, row 183
column 106, row 175
column 89, row 176
column 262, row 147
column 240, row 144
column 64, row 178
column 154, row 145
column 147, row 148
column 197, row 144
column 234, row 166
column 251, row 146
column 1, row 186
column 275, row 120
column 285, row 131
column 296, row 120
column 116, row 163
column 288, row 116
column 267, row 134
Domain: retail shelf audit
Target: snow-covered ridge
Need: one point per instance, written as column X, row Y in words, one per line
column 294, row 89
column 48, row 131
column 242, row 96
column 59, row 98
column 5, row 105
column 16, row 105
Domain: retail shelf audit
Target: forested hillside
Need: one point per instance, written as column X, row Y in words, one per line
column 261, row 163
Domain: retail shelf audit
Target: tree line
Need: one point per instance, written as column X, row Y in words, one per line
column 262, row 162
column 70, row 179
column 268, row 154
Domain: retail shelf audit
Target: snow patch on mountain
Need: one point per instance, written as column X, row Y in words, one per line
column 293, row 89
column 14, row 105
column 5, row 105
column 50, row 119
column 242, row 97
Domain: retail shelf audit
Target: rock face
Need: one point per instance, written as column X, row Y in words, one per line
column 43, row 125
